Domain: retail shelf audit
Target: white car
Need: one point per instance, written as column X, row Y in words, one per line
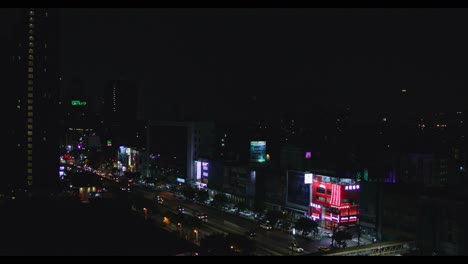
column 266, row 226
column 296, row 249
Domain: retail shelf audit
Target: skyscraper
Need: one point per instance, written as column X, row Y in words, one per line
column 33, row 99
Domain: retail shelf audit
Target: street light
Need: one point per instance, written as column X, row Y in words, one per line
column 179, row 226
column 145, row 211
column 293, row 246
column 196, row 235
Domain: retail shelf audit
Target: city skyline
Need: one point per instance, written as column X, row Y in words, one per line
column 340, row 127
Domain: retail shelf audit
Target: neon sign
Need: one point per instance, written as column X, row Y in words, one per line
column 78, row 103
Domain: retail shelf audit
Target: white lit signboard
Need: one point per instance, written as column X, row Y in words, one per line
column 308, row 178
column 198, row 166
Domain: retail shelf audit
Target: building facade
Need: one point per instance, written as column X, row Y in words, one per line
column 33, row 133
column 334, row 201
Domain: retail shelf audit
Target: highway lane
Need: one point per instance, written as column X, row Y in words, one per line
column 268, row 242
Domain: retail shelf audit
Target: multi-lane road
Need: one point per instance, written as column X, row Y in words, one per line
column 268, row 242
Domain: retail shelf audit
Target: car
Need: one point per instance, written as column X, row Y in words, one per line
column 202, row 216
column 180, row 209
column 296, row 249
column 266, row 226
column 159, row 199
column 251, row 233
column 324, row 249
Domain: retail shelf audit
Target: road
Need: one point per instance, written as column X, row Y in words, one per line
column 268, row 242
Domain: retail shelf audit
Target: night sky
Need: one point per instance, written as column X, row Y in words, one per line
column 209, row 58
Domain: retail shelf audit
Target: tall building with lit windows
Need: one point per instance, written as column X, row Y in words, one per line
column 33, row 99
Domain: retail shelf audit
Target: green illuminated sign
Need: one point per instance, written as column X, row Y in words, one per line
column 358, row 176
column 77, row 102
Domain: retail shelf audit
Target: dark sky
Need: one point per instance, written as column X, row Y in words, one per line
column 357, row 57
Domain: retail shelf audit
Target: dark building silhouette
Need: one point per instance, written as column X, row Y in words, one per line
column 32, row 99
column 123, row 113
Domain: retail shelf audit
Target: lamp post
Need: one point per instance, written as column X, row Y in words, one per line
column 196, row 235
column 179, row 226
column 293, row 246
column 145, row 211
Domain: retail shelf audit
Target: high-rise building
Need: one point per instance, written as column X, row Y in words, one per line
column 122, row 101
column 33, row 88
column 122, row 115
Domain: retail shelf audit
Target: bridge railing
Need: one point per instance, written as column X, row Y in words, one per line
column 377, row 249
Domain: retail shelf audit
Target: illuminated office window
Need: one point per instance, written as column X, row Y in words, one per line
column 29, row 151
column 30, row 147
column 30, row 63
column 30, row 132
column 30, row 101
column 30, row 108
column 30, row 89
column 30, row 51
column 30, row 76
column 29, row 139
column 30, row 69
column 30, row 171
column 30, row 114
column 30, row 57
column 30, row 127
column 31, row 32
column 30, row 120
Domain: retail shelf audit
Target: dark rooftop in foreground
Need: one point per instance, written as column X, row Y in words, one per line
column 70, row 228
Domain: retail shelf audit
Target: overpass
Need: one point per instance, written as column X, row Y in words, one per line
column 391, row 248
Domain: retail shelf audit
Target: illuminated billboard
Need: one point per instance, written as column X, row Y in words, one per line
column 78, row 103
column 198, row 170
column 308, row 178
column 257, row 151
column 202, row 171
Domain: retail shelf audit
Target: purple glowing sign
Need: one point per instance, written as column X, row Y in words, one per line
column 308, row 155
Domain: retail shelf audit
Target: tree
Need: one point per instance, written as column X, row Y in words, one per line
column 202, row 195
column 273, row 216
column 306, row 225
column 226, row 245
column 241, row 245
column 219, row 200
column 241, row 206
column 188, row 192
column 174, row 217
column 215, row 245
column 340, row 237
